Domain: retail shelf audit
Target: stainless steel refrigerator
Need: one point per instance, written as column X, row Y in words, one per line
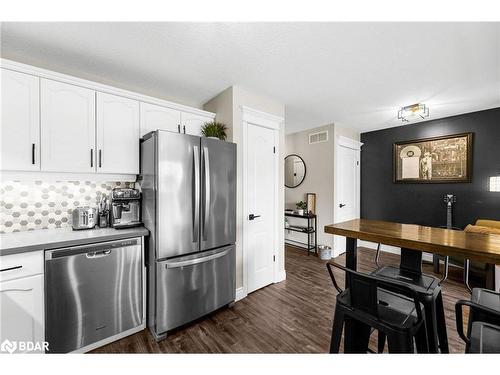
column 189, row 205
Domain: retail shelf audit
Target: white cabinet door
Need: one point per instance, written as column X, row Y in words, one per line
column 67, row 127
column 20, row 126
column 191, row 123
column 117, row 134
column 21, row 310
column 155, row 117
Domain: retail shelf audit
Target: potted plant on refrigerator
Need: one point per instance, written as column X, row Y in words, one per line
column 215, row 130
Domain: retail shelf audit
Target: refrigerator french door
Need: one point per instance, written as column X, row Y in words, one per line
column 189, row 205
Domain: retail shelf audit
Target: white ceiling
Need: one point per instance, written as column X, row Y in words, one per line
column 356, row 74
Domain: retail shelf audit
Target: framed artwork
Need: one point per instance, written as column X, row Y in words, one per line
column 434, row 160
column 311, row 203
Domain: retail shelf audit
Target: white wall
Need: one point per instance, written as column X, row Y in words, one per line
column 318, row 159
column 227, row 106
column 320, row 176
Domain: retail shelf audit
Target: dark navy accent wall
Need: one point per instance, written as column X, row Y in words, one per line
column 423, row 204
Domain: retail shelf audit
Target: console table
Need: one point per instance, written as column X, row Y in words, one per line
column 310, row 231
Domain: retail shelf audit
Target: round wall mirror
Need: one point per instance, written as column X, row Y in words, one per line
column 295, row 171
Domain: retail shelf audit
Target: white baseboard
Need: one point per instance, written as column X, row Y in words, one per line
column 280, row 277
column 240, row 293
column 390, row 249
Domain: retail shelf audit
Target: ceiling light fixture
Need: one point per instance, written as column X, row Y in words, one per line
column 412, row 112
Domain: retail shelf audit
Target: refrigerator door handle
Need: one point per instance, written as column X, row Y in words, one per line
column 191, row 262
column 196, row 191
column 206, row 211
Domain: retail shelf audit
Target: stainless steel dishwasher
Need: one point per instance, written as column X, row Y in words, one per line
column 92, row 292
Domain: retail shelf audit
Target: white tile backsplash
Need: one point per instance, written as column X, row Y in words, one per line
column 41, row 205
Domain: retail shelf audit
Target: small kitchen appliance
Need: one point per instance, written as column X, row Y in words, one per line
column 84, row 218
column 125, row 208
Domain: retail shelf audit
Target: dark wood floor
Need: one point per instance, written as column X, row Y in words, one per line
column 294, row 316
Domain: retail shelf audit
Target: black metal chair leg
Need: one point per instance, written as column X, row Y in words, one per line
column 441, row 324
column 430, row 324
column 421, row 341
column 338, row 325
column 400, row 343
column 356, row 337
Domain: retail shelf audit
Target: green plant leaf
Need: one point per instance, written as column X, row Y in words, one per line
column 214, row 129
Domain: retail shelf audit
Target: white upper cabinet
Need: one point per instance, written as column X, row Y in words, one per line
column 117, row 134
column 155, row 117
column 20, row 125
column 67, row 128
column 191, row 123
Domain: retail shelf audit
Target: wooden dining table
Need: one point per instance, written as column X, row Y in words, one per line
column 416, row 239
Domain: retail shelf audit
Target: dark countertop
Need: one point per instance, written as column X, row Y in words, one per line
column 44, row 239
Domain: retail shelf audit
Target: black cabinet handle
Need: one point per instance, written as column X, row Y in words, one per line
column 11, row 268
column 33, row 153
column 179, row 128
column 184, row 128
column 91, row 158
column 100, row 158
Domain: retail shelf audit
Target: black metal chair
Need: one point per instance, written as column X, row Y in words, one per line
column 429, row 294
column 483, row 327
column 370, row 302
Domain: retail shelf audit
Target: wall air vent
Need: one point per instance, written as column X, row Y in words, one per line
column 318, row 137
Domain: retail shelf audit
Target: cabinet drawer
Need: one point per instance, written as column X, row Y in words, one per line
column 21, row 265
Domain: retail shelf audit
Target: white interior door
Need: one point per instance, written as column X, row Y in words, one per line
column 260, row 195
column 347, row 194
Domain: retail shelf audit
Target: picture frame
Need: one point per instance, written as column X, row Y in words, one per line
column 311, row 203
column 444, row 159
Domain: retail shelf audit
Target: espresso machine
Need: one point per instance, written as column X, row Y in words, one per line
column 125, row 208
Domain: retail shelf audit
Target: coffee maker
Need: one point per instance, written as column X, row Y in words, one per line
column 125, row 208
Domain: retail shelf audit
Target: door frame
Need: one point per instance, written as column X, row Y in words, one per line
column 349, row 143
column 273, row 122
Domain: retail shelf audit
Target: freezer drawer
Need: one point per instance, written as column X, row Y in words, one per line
column 92, row 292
column 192, row 286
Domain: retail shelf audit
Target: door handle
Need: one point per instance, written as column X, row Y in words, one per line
column 178, row 128
column 184, row 128
column 98, row 254
column 192, row 262
column 252, row 216
column 33, row 153
column 196, row 208
column 341, row 205
column 206, row 210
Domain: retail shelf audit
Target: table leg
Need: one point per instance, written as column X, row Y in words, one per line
column 351, row 254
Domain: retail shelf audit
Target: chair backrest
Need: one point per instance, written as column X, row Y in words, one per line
column 363, row 290
column 488, row 223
